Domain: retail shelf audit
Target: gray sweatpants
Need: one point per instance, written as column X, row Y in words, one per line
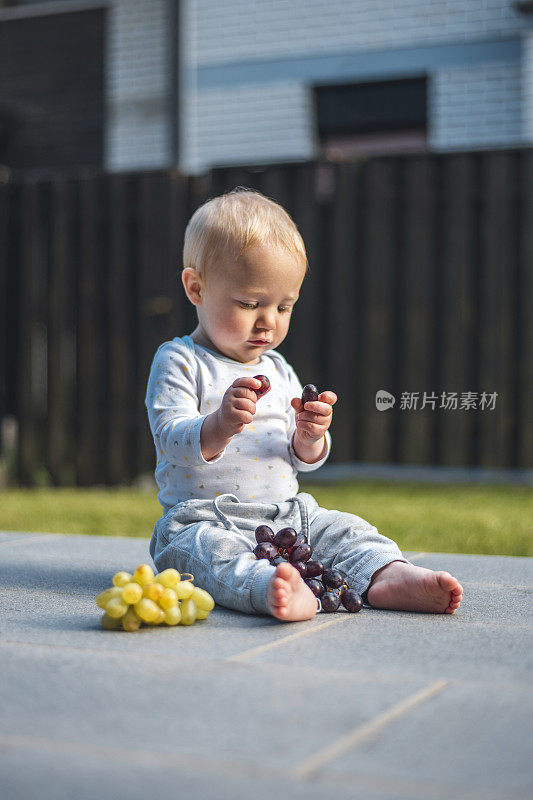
column 214, row 540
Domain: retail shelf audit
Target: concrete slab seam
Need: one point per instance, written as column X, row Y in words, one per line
column 316, row 761
column 95, row 562
column 31, row 537
column 485, row 585
column 231, row 769
column 269, row 666
column 100, row 652
column 494, row 625
column 284, row 640
column 224, row 767
column 414, row 789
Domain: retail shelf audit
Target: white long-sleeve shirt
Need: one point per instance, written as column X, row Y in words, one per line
column 186, row 384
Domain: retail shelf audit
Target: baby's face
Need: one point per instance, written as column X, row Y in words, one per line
column 246, row 308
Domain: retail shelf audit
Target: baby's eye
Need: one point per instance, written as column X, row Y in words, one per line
column 247, row 305
column 285, row 308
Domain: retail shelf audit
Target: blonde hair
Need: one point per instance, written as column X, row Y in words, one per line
column 227, row 225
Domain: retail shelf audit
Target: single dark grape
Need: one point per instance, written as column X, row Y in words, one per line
column 351, row 600
column 285, row 537
column 265, row 550
column 309, row 394
column 330, row 601
column 301, row 567
column 317, row 587
column 301, row 553
column 264, row 534
column 265, row 385
column 332, row 578
column 314, row 569
column 300, row 539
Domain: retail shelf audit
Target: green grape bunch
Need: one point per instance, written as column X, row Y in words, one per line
column 153, row 599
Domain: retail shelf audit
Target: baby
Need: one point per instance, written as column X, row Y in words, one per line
column 227, row 460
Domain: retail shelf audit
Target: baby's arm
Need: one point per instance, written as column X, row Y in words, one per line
column 308, row 429
column 174, row 409
column 236, row 410
column 312, row 422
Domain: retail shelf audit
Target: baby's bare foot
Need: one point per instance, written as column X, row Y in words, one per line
column 288, row 597
column 406, row 587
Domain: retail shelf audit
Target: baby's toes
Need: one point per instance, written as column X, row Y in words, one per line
column 288, row 575
column 281, row 598
column 293, row 580
column 447, row 581
column 453, row 605
column 451, row 609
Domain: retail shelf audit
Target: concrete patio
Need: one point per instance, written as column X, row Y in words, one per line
column 377, row 705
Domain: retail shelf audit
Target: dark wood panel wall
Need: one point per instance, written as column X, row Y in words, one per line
column 420, row 282
column 52, row 90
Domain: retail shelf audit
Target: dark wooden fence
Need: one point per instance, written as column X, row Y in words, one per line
column 421, row 281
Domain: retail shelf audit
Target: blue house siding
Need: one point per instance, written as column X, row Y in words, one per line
column 477, row 106
column 249, row 69
column 365, row 65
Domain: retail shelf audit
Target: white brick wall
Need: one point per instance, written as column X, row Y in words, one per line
column 527, row 89
column 229, row 116
column 137, row 80
column 241, row 124
column 476, row 107
column 230, row 30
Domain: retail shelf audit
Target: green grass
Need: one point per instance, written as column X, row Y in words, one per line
column 491, row 520
column 494, row 520
column 112, row 512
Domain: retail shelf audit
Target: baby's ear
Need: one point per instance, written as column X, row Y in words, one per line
column 192, row 283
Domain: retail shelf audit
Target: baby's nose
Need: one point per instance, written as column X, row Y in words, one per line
column 266, row 319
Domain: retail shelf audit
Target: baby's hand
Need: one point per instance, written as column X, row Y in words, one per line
column 313, row 419
column 238, row 406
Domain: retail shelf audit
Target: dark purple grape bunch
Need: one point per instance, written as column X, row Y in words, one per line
column 287, row 545
column 337, row 591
